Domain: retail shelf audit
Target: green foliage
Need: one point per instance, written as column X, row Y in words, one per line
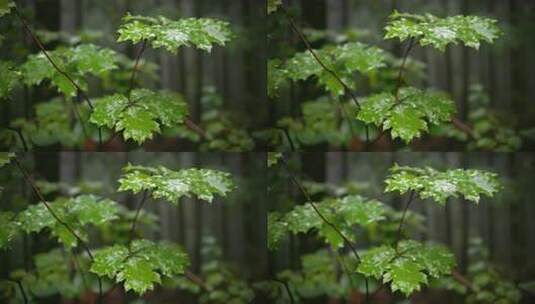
column 344, row 60
column 53, row 273
column 75, row 61
column 488, row 283
column 344, row 213
column 318, row 276
column 273, row 6
column 140, row 266
column 173, row 185
column 492, row 131
column 202, row 33
column 407, row 267
column 409, row 114
column 5, row 158
column 141, row 115
column 439, row 32
column 75, row 212
column 6, row 6
column 430, row 183
column 224, row 285
column 9, row 80
column 54, row 122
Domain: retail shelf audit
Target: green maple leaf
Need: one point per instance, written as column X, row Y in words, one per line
column 273, row 158
column 173, row 185
column 344, row 60
column 6, row 6
column 75, row 212
column 9, row 79
column 141, row 116
column 439, row 32
column 408, row 267
column 344, row 213
column 76, row 61
column 440, row 186
column 202, row 33
column 142, row 266
column 408, row 116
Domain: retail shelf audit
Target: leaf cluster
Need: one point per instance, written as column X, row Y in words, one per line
column 441, row 185
column 439, row 32
column 344, row 213
column 173, row 185
column 344, row 60
column 202, row 33
column 409, row 113
column 141, row 265
column 140, row 115
column 407, row 267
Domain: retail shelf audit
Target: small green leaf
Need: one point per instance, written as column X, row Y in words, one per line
column 405, row 276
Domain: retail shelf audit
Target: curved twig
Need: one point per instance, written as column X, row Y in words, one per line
column 134, row 221
column 21, row 288
column 400, row 226
column 287, row 288
column 21, row 137
column 136, row 67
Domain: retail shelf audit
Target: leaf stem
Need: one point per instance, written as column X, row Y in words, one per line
column 21, row 137
column 55, row 65
column 134, row 221
column 287, row 288
column 136, row 67
column 400, row 227
column 21, row 288
column 402, row 67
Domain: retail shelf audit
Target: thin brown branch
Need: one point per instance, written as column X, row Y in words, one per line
column 195, row 128
column 136, row 67
column 402, row 67
column 463, row 127
column 134, row 221
column 402, row 220
column 21, row 288
column 196, row 280
column 55, row 65
column 287, row 288
column 461, row 279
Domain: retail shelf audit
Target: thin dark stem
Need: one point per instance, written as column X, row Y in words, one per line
column 400, row 227
column 324, row 66
column 136, row 67
column 287, row 135
column 134, row 222
column 41, row 197
column 287, row 288
column 77, row 265
column 196, row 280
column 60, row 70
column 77, row 113
column 21, row 288
column 195, row 127
column 21, row 137
column 402, row 67
column 324, row 219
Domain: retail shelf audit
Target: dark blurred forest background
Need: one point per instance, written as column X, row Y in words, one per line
column 235, row 73
column 502, row 71
column 504, row 223
column 237, row 223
